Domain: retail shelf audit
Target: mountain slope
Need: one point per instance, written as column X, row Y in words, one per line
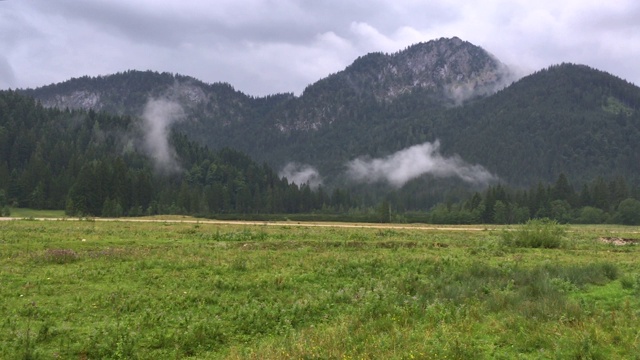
column 94, row 163
column 443, row 72
column 567, row 118
column 438, row 73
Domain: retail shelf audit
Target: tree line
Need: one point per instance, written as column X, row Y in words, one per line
column 597, row 202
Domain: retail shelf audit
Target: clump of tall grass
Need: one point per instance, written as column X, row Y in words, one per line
column 536, row 233
column 244, row 235
column 631, row 282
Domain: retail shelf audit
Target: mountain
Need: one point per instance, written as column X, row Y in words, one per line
column 443, row 72
column 436, row 75
column 450, row 70
column 567, row 118
column 126, row 93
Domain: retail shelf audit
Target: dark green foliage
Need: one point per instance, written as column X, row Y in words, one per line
column 629, row 212
column 590, row 215
column 501, row 204
column 548, row 124
column 4, row 204
column 91, row 164
column 384, row 212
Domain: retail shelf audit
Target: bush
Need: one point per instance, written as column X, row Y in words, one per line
column 536, row 233
column 629, row 212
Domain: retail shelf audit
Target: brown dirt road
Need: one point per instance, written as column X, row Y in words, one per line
column 276, row 223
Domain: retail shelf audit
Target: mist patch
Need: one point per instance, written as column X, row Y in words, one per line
column 301, row 174
column 157, row 118
column 410, row 163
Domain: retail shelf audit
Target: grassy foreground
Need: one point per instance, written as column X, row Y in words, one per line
column 124, row 290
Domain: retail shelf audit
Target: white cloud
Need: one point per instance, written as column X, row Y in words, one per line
column 410, row 163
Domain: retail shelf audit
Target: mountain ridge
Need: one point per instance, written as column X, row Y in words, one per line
column 456, row 97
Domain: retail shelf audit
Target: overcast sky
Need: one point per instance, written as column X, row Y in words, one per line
column 268, row 46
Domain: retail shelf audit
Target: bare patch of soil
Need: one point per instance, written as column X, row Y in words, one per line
column 618, row 241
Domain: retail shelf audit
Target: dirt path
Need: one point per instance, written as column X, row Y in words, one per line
column 275, row 223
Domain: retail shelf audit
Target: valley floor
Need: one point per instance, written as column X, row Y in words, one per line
column 192, row 288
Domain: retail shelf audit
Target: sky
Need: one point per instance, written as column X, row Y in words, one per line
column 264, row 47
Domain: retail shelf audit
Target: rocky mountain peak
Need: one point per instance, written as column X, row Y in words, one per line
column 456, row 69
column 447, row 71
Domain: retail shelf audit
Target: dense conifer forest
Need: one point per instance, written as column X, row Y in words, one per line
column 93, row 164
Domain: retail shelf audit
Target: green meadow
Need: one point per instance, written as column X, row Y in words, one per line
column 90, row 289
column 33, row 213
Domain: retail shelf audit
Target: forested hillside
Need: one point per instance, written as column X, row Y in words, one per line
column 93, row 163
column 567, row 119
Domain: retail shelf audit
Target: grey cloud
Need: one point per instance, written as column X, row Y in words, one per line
column 610, row 17
column 120, row 19
column 171, row 24
column 265, row 46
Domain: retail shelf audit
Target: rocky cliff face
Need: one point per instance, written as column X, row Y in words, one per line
column 79, row 99
column 458, row 68
column 452, row 68
column 127, row 93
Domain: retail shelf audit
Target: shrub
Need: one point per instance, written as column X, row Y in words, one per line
column 536, row 233
column 629, row 212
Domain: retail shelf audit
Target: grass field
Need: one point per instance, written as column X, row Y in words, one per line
column 124, row 290
column 24, row 213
